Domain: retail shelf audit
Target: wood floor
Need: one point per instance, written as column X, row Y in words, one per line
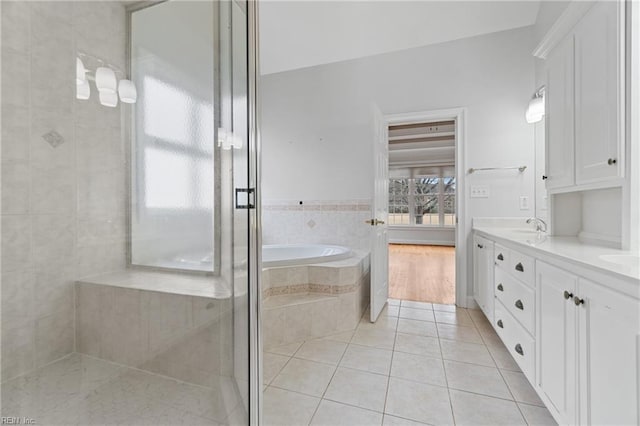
column 422, row 273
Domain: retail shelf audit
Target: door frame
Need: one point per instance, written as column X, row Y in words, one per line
column 462, row 226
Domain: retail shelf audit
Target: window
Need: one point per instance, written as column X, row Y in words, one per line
column 399, row 202
column 424, row 199
column 174, row 199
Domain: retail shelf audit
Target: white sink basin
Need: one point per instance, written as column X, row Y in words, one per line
column 632, row 260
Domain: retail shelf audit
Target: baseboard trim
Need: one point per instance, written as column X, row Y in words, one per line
column 423, row 242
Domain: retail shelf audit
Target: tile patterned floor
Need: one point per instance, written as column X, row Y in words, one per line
column 81, row 390
column 420, row 363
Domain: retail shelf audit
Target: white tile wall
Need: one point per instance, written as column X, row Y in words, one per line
column 317, row 222
column 63, row 212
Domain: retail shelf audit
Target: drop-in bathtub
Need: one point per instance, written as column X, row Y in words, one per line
column 311, row 291
column 302, row 254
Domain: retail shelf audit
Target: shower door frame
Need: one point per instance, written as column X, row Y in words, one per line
column 255, row 215
column 255, row 224
column 129, row 136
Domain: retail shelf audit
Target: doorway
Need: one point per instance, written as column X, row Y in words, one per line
column 425, row 255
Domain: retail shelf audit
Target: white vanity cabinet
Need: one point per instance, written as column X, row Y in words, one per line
column 574, row 331
column 556, row 317
column 588, row 349
column 483, row 274
column 608, row 356
column 585, row 103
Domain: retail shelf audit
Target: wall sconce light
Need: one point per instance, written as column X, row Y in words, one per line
column 127, row 91
column 108, row 99
column 81, row 72
column 83, row 90
column 109, row 89
column 106, row 80
column 535, row 109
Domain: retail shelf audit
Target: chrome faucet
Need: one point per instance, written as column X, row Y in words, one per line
column 541, row 226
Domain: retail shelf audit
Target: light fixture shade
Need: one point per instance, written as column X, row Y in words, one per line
column 127, row 91
column 228, row 140
column 106, row 80
column 109, row 99
column 81, row 72
column 535, row 109
column 83, row 91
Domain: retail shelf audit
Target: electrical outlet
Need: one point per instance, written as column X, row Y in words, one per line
column 524, row 203
column 479, row 191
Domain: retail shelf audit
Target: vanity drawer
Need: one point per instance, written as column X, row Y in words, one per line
column 501, row 255
column 517, row 298
column 522, row 267
column 519, row 343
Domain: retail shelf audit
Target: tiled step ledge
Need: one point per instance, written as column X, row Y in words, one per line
column 297, row 317
column 338, row 277
column 275, row 302
column 164, row 282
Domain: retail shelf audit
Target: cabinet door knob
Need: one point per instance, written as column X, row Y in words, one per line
column 519, row 267
column 567, row 295
column 500, row 257
column 500, row 287
column 500, row 324
column 578, row 301
column 544, row 177
column 480, row 246
column 518, row 349
column 611, row 161
column 519, row 305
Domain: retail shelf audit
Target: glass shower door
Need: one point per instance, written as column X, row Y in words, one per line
column 126, row 273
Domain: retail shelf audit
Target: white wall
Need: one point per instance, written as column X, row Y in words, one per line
column 548, row 14
column 63, row 207
column 421, row 235
column 315, row 133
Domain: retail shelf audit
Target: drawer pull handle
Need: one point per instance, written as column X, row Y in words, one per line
column 500, row 257
column 500, row 287
column 519, row 305
column 567, row 295
column 578, row 301
column 611, row 161
column 500, row 324
column 519, row 267
column 480, row 246
column 545, row 177
column 519, row 349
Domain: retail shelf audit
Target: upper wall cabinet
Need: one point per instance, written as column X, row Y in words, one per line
column 598, row 97
column 560, row 169
column 585, row 102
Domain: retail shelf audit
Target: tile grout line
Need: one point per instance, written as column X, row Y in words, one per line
column 393, row 351
column 322, row 397
column 446, row 379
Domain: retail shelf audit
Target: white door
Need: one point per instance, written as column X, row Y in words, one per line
column 559, row 116
column 609, row 356
column 556, row 339
column 380, row 211
column 483, row 275
column 599, row 145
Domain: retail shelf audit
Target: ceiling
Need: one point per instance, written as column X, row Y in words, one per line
column 422, row 144
column 304, row 33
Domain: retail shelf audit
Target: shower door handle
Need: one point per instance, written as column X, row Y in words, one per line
column 245, row 198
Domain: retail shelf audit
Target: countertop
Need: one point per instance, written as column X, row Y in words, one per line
column 570, row 249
